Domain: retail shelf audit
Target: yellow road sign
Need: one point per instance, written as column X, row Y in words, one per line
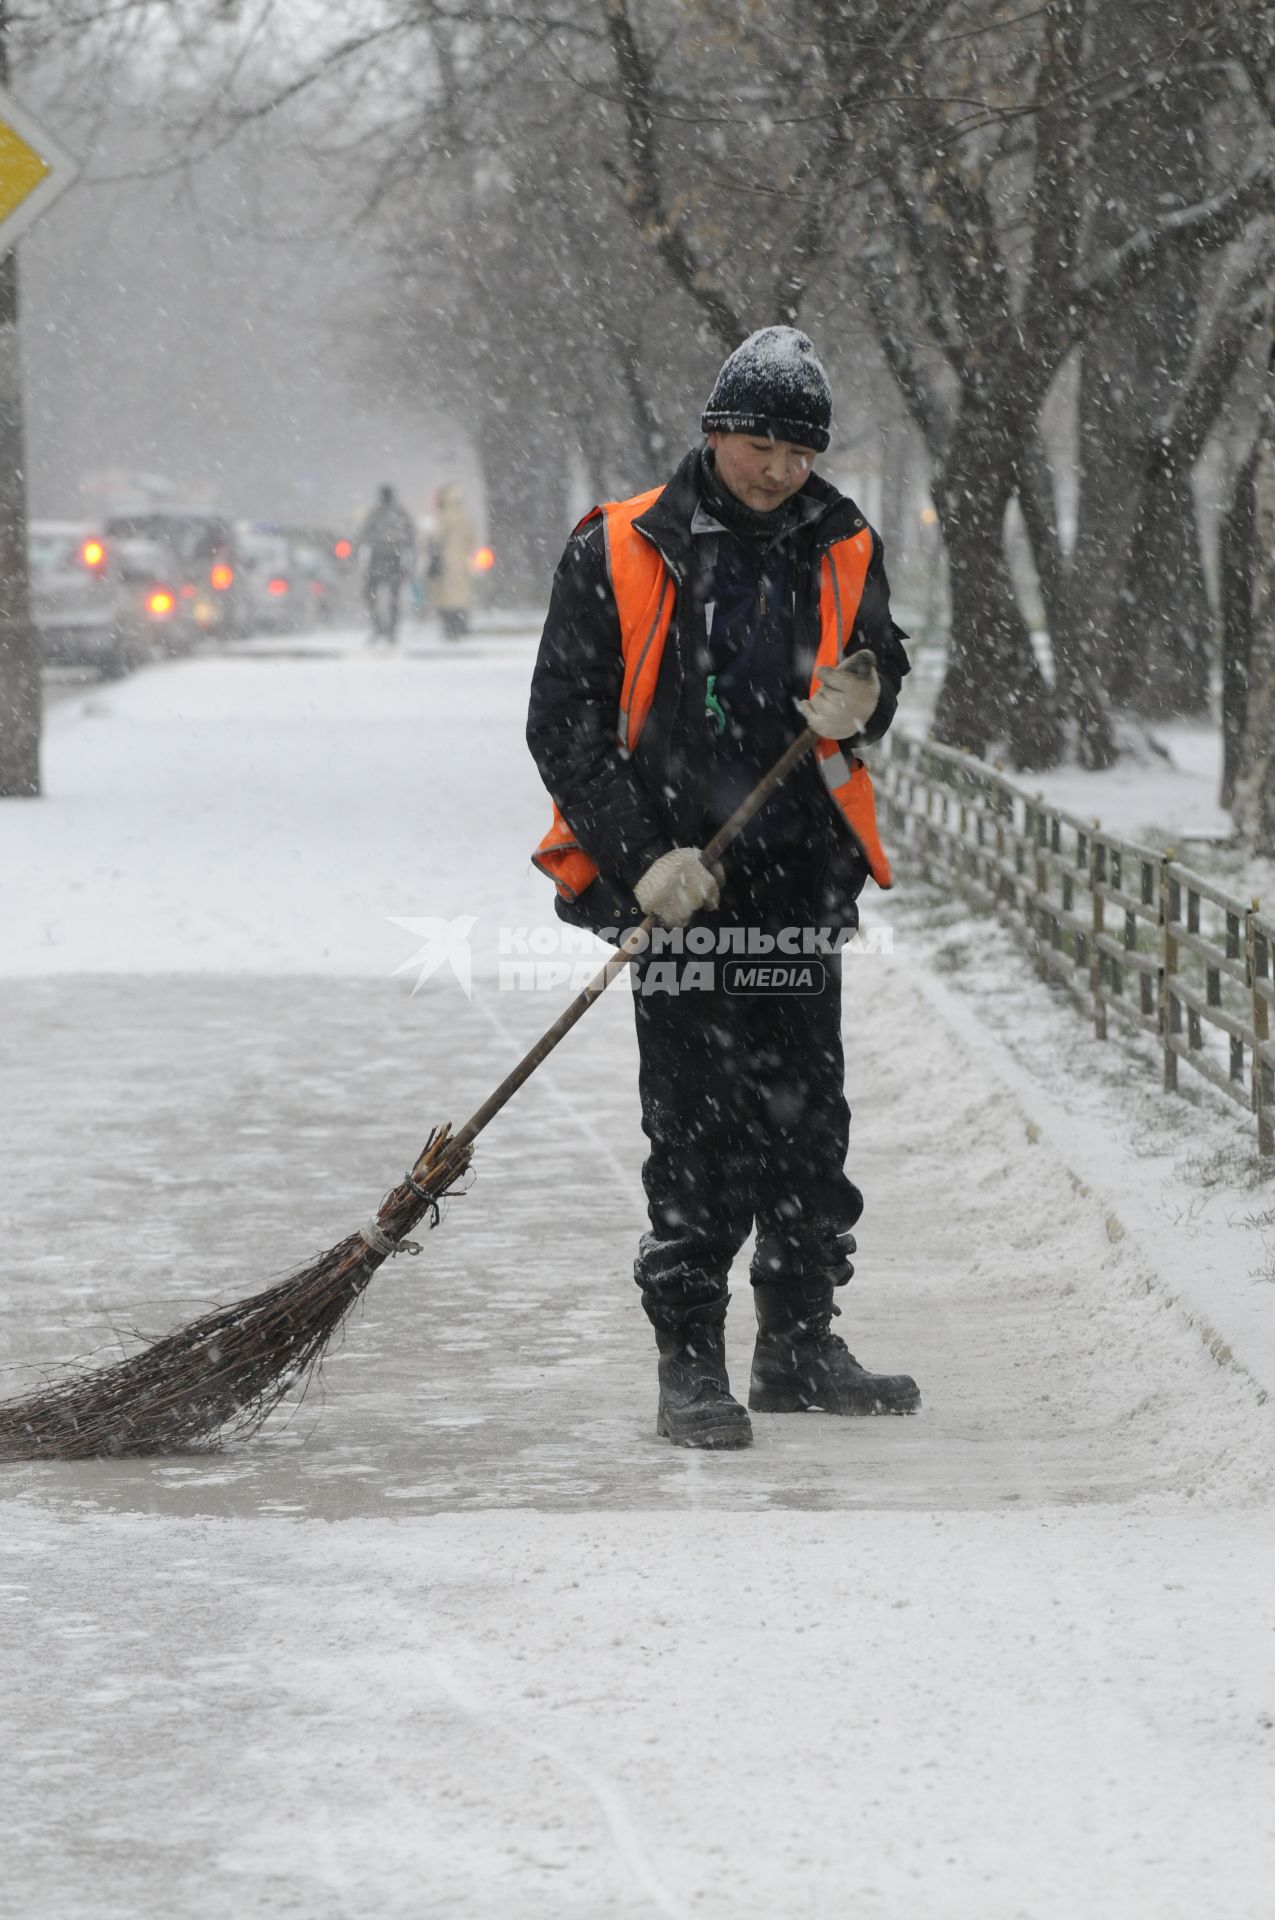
column 34, row 170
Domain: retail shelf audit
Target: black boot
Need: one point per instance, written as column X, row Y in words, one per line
column 696, row 1408
column 800, row 1364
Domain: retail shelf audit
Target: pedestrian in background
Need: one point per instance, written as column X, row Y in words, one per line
column 388, row 538
column 451, row 566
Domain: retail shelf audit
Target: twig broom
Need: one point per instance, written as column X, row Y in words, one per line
column 221, row 1375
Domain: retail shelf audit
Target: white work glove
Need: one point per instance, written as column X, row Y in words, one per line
column 677, row 885
column 845, row 699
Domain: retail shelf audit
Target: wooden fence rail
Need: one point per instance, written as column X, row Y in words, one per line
column 1127, row 929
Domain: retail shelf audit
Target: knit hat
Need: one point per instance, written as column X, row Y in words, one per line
column 775, row 384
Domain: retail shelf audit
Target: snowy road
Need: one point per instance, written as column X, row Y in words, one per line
column 462, row 1638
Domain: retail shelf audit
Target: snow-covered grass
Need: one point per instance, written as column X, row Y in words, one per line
column 1166, row 795
column 462, row 1638
column 1162, row 792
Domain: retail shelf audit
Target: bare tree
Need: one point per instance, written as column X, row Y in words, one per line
column 1008, row 272
column 1147, row 151
column 1237, row 566
column 946, row 159
column 19, row 653
column 1254, row 800
column 1248, row 580
column 83, row 43
column 585, row 202
column 1163, row 631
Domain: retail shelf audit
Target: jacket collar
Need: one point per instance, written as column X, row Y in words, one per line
column 666, row 523
column 809, row 512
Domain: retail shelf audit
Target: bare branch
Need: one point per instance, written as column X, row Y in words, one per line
column 644, row 196
column 1208, row 225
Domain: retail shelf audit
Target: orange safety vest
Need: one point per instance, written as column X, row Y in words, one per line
column 644, row 596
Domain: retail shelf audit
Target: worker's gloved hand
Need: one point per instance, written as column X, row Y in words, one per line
column 677, row 885
column 845, row 699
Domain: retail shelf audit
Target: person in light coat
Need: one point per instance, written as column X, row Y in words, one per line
column 451, row 567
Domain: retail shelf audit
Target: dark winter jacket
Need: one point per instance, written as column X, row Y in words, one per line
column 388, row 532
column 688, row 768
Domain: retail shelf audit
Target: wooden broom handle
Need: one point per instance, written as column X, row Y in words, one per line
column 619, row 959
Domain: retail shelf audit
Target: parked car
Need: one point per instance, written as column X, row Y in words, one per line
column 318, row 582
column 267, row 602
column 72, row 595
column 203, row 549
column 98, row 602
column 150, row 596
column 290, row 577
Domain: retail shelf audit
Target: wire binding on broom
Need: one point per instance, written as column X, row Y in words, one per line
column 223, row 1374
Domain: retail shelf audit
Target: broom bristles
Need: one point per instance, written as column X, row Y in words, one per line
column 224, row 1373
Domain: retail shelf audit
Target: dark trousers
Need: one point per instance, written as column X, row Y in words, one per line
column 382, row 587
column 744, row 1107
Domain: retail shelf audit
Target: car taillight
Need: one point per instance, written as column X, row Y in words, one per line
column 276, row 587
column 221, row 577
column 92, row 553
column 160, row 601
column 343, row 549
column 484, row 560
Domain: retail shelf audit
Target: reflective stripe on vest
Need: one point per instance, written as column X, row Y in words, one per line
column 842, row 572
column 644, row 598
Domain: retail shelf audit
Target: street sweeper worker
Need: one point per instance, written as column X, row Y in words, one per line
column 693, row 632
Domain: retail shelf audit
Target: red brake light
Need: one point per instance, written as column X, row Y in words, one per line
column 343, row 549
column 221, row 577
column 92, row 553
column 161, row 601
column 276, row 587
column 484, row 560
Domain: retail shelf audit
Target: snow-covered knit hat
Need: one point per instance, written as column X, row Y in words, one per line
column 774, row 383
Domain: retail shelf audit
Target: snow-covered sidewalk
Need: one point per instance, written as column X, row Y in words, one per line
column 462, row 1638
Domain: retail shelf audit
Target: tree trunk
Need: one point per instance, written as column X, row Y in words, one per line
column 524, row 460
column 1109, row 471
column 1079, row 693
column 896, row 450
column 1163, row 631
column 1237, row 559
column 993, row 688
column 1255, row 773
column 20, row 693
column 1147, row 154
column 616, row 429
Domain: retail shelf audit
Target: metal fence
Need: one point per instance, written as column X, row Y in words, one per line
column 1127, row 929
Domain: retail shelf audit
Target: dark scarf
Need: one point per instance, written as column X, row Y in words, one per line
column 757, row 531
